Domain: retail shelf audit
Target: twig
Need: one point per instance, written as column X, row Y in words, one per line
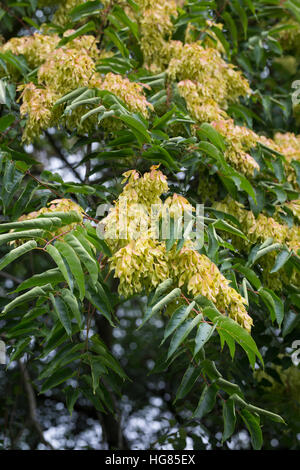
column 43, row 184
column 32, row 404
column 10, row 276
column 62, row 157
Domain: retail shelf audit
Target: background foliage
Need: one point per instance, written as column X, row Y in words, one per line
column 103, row 88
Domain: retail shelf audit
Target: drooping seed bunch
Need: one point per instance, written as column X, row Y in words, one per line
column 141, row 261
column 258, row 230
column 57, row 206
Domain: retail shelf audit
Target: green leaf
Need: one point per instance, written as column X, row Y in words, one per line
column 86, row 28
column 229, row 419
column 160, row 290
column 249, row 273
column 17, row 252
column 210, row 150
column 182, row 333
column 160, row 122
column 242, row 16
column 187, row 382
column 204, row 332
column 150, row 311
column 222, row 39
column 85, row 9
column 74, row 264
column 209, row 367
column 253, row 426
column 72, row 395
column 264, row 250
column 54, row 253
column 273, row 303
column 120, row 14
column 85, row 258
column 7, row 237
column 51, row 276
column 207, row 401
column 166, row 300
column 291, row 321
column 138, row 128
column 214, row 136
column 59, row 376
column 223, row 225
column 45, row 224
column 31, row 294
column 72, row 303
column 69, row 353
column 282, row 257
column 62, row 312
column 239, row 334
column 177, row 318
column 228, row 387
column 115, row 38
column 72, row 95
column 98, row 369
column 225, row 337
column 6, row 121
column 100, row 302
column 19, row 348
column 231, row 27
column 96, row 399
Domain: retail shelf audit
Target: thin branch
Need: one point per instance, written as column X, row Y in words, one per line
column 62, row 157
column 10, row 276
column 32, row 404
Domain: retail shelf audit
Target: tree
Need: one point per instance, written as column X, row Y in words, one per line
column 120, row 120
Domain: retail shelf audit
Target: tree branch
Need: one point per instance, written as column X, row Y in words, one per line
column 62, row 157
column 10, row 276
column 32, row 404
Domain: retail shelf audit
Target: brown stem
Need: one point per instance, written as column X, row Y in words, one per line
column 32, row 404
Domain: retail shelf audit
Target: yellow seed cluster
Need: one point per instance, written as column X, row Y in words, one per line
column 66, row 70
column 61, row 71
column 203, row 109
column 137, row 197
column 207, row 82
column 57, row 205
column 156, row 28
column 129, row 92
column 259, row 230
column 215, row 77
column 61, row 16
column 35, row 48
column 294, row 207
column 201, row 276
column 37, row 104
column 146, row 189
column 289, row 145
column 239, row 141
column 142, row 262
column 288, row 387
column 289, row 37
